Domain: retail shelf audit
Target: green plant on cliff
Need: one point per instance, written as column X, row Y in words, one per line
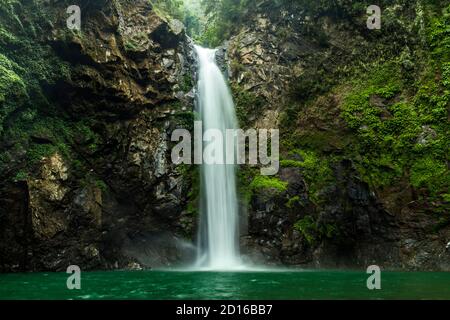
column 12, row 87
column 439, row 35
column 102, row 185
column 28, row 69
column 429, row 173
column 187, row 82
column 245, row 176
column 265, row 182
column 224, row 17
column 293, row 202
column 191, row 175
column 307, row 228
column 169, row 8
column 316, row 170
column 21, row 176
column 314, row 231
column 402, row 129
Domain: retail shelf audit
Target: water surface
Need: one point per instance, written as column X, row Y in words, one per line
column 157, row 285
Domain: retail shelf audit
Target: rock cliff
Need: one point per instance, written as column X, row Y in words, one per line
column 86, row 171
column 346, row 195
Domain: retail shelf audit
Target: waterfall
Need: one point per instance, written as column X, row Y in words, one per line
column 218, row 245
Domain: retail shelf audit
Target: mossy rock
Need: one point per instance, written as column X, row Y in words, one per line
column 265, row 183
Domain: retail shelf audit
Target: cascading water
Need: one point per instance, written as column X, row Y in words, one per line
column 218, row 248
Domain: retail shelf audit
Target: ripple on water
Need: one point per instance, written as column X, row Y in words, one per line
column 229, row 285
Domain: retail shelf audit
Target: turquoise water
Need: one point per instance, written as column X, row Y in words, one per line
column 288, row 285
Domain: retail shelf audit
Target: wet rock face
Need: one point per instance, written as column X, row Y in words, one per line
column 16, row 230
column 271, row 237
column 353, row 225
column 45, row 191
column 129, row 53
column 262, row 63
column 350, row 229
column 130, row 71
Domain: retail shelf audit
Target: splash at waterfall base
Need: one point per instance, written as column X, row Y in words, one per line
column 213, row 147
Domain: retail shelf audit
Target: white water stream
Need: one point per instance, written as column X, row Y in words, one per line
column 218, row 248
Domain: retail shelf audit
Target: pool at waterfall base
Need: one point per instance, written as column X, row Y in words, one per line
column 249, row 285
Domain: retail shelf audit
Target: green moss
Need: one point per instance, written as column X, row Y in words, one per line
column 31, row 72
column 27, row 66
column 22, row 175
column 393, row 134
column 191, row 175
column 358, row 112
column 7, row 6
column 446, row 197
column 313, row 231
column 42, row 136
column 316, row 170
column 291, row 164
column 396, row 111
column 446, row 75
column 265, row 182
column 245, row 177
column 7, row 38
column 293, row 202
column 39, row 151
column 328, row 230
column 168, row 9
column 12, row 88
column 307, row 227
column 439, row 35
column 187, row 82
column 211, row 36
column 131, row 45
column 431, row 174
column 101, row 185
